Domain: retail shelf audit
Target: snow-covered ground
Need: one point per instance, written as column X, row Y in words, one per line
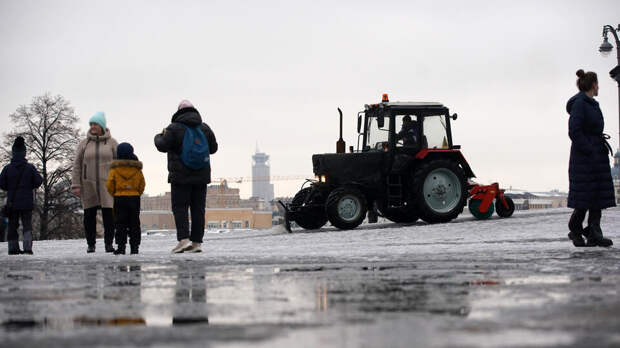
column 495, row 283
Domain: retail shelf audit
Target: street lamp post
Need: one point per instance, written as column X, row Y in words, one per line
column 605, row 50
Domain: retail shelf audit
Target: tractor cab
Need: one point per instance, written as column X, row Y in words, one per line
column 404, row 127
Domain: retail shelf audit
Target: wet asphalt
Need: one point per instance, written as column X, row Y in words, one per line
column 501, row 283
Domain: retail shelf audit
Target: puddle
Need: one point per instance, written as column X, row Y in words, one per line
column 196, row 296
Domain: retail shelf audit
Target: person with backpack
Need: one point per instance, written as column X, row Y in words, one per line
column 126, row 185
column 189, row 142
column 91, row 168
column 20, row 179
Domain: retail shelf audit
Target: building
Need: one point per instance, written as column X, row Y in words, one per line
column 255, row 203
column 156, row 203
column 537, row 200
column 238, row 218
column 261, row 185
column 229, row 218
column 157, row 220
column 222, row 196
column 218, row 196
column 225, row 209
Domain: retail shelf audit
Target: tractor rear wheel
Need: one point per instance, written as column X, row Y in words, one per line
column 474, row 208
column 439, row 191
column 502, row 211
column 309, row 217
column 346, row 208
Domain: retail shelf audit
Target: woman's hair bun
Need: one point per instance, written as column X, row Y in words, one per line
column 580, row 73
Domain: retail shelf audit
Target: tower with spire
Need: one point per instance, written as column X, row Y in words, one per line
column 261, row 185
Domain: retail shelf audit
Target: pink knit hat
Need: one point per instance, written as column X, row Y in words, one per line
column 185, row 104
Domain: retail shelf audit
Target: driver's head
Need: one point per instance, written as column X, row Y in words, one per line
column 407, row 119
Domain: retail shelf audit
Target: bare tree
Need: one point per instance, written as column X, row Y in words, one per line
column 48, row 126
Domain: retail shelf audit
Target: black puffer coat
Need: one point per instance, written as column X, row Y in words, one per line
column 20, row 188
column 171, row 142
column 591, row 186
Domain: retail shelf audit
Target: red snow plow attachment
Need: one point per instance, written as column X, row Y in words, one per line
column 481, row 202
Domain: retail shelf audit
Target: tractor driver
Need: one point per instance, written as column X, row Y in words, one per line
column 408, row 132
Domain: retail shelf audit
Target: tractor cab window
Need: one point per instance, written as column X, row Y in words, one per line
column 435, row 134
column 407, row 131
column 377, row 137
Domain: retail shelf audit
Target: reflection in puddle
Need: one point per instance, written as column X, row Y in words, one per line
column 176, row 294
column 186, row 321
column 104, row 295
column 321, row 299
column 489, row 302
column 176, row 297
column 539, row 279
column 67, row 323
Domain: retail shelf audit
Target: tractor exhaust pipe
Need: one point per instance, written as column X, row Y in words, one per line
column 340, row 144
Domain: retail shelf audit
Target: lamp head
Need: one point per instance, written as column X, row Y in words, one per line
column 605, row 47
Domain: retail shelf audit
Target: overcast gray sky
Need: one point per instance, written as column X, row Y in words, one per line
column 275, row 72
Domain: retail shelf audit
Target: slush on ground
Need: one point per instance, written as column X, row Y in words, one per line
column 516, row 282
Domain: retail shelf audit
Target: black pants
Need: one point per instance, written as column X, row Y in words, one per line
column 127, row 220
column 3, row 226
column 90, row 225
column 576, row 220
column 193, row 197
column 12, row 237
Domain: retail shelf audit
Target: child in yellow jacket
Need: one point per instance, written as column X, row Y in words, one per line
column 126, row 185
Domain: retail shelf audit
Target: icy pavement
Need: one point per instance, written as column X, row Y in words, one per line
column 513, row 282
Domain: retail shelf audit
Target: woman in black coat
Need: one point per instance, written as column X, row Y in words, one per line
column 591, row 187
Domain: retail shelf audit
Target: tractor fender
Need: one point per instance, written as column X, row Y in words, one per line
column 455, row 155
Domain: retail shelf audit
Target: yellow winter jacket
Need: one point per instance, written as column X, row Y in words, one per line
column 125, row 178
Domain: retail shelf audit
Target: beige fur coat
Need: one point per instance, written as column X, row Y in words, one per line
column 91, row 168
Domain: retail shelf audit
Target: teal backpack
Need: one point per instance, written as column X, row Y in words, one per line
column 195, row 151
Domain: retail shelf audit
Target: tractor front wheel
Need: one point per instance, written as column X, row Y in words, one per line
column 474, row 208
column 439, row 190
column 346, row 208
column 310, row 215
column 502, row 211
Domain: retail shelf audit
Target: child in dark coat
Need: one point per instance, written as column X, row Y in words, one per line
column 126, row 184
column 20, row 178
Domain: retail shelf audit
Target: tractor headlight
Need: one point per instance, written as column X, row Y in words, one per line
column 320, row 178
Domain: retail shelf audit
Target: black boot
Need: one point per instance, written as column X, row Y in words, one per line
column 577, row 239
column 14, row 247
column 91, row 249
column 120, row 250
column 594, row 234
column 134, row 249
column 109, row 248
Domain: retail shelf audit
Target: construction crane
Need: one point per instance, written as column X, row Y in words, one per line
column 242, row 179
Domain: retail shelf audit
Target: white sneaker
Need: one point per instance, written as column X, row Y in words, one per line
column 193, row 248
column 183, row 243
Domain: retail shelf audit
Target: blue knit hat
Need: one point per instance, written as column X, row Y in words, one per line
column 98, row 118
column 125, row 151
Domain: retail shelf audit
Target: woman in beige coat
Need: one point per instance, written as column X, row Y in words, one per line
column 90, row 174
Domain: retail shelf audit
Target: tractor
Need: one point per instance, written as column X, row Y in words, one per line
column 406, row 168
